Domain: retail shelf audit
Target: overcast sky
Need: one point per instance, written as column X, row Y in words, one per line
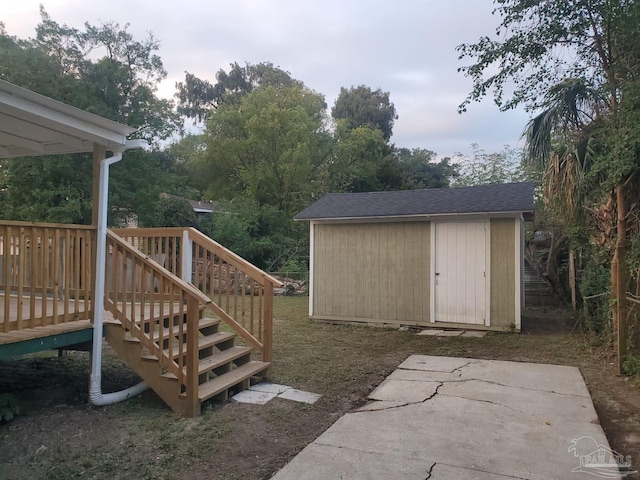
column 405, row 47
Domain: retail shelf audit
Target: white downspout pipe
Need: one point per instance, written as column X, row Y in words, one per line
column 95, row 389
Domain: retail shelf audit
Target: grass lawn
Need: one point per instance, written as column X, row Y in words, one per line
column 59, row 436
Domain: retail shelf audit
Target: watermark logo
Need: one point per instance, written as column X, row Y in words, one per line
column 599, row 460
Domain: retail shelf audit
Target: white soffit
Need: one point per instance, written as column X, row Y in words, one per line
column 32, row 124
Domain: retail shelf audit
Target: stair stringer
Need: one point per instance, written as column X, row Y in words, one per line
column 150, row 371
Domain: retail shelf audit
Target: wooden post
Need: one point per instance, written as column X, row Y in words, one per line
column 193, row 317
column 621, row 291
column 267, row 340
column 572, row 278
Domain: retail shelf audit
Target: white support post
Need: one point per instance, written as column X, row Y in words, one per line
column 311, row 264
column 187, row 257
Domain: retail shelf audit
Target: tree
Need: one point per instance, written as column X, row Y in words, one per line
column 270, row 146
column 359, row 155
column 197, row 98
column 540, row 43
column 103, row 70
column 585, row 134
column 485, row 168
column 362, row 107
column 420, row 169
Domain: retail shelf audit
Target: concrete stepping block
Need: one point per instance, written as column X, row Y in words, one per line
column 450, row 333
column 430, row 333
column 269, row 387
column 300, row 396
column 253, row 397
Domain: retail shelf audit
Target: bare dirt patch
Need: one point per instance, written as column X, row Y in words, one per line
column 59, row 436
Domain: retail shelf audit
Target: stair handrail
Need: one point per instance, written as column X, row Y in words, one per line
column 240, row 293
column 264, row 341
column 194, row 298
column 186, row 286
column 200, row 238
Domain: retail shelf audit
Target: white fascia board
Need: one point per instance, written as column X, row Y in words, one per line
column 16, row 126
column 65, row 119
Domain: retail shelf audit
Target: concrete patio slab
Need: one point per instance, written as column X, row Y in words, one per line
column 404, row 391
column 434, row 364
column 486, row 420
column 323, row 462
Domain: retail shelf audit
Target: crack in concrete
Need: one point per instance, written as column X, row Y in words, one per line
column 457, row 369
column 403, row 405
column 485, row 381
column 387, row 408
column 491, row 382
column 430, row 471
column 470, row 362
column 492, row 403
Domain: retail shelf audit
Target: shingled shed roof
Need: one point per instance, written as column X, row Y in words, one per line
column 487, row 199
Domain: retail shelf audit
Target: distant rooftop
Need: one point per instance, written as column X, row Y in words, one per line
column 501, row 198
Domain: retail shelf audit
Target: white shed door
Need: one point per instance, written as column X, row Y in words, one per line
column 460, row 272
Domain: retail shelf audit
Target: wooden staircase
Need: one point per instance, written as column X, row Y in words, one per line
column 163, row 330
column 223, row 367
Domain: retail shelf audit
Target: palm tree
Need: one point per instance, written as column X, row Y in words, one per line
column 566, row 140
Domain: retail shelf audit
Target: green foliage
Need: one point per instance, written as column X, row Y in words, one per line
column 294, row 268
column 484, row 168
column 596, row 281
column 359, row 157
column 9, row 407
column 48, row 189
column 198, row 98
column 173, row 212
column 631, row 365
column 263, row 234
column 529, row 52
column 362, row 107
column 270, row 146
column 105, row 71
column 420, row 170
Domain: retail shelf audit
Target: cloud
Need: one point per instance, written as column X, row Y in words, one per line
column 407, row 48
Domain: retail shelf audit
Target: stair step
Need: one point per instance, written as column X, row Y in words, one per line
column 217, row 360
column 228, row 380
column 222, row 358
column 175, row 330
column 203, row 342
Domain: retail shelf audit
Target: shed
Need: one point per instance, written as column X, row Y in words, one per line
column 446, row 257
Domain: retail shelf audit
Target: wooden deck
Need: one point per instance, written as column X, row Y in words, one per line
column 34, row 311
column 27, row 339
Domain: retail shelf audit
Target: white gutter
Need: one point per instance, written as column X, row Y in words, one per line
column 95, row 389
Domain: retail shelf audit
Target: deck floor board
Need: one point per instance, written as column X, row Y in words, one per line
column 50, row 328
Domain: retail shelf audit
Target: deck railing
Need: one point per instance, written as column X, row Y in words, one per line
column 157, row 308
column 240, row 293
column 46, row 274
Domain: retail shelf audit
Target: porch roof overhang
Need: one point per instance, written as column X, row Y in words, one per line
column 33, row 125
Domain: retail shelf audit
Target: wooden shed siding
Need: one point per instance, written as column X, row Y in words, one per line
column 503, row 275
column 372, row 271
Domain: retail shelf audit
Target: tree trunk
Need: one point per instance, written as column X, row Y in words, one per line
column 620, row 283
column 572, row 278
